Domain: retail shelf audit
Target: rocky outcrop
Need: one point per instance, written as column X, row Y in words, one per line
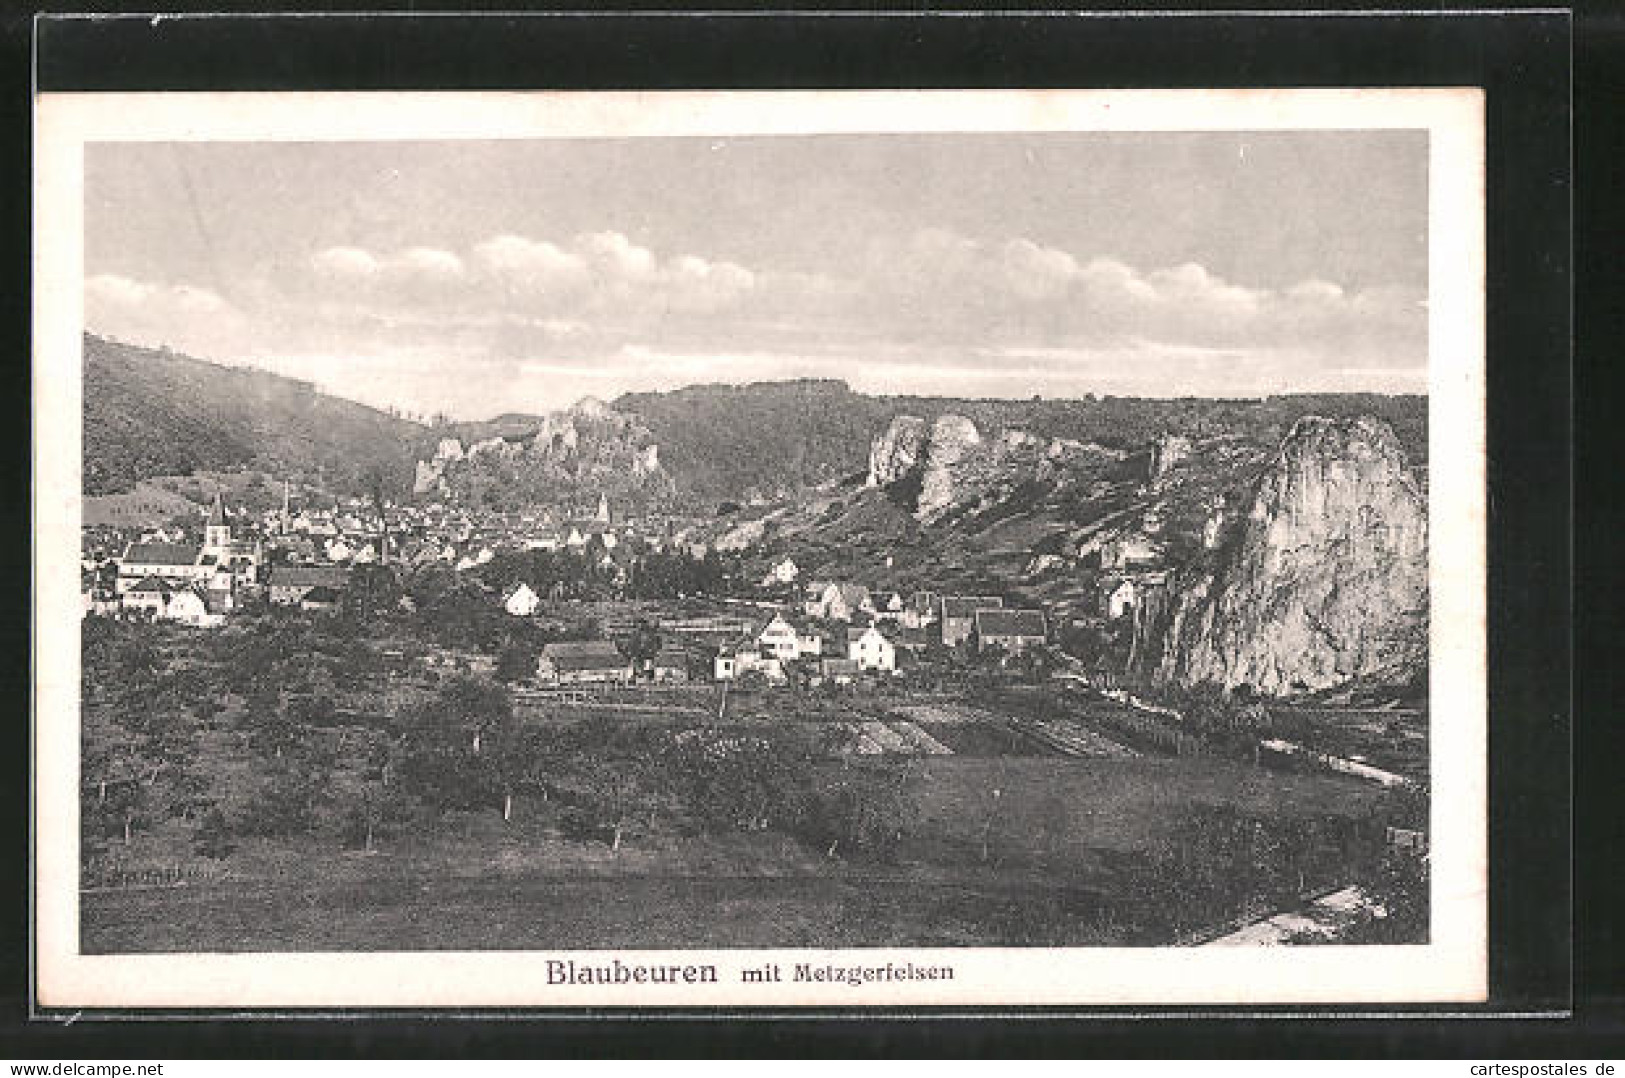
column 1324, row 579
column 952, row 442
column 1167, row 452
column 582, row 452
column 896, row 451
column 949, row 465
column 646, row 461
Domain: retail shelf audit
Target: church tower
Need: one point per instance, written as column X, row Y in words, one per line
column 603, row 509
column 217, row 532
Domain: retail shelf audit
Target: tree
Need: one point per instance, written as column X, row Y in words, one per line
column 287, row 802
column 272, row 730
column 515, row 663
column 863, row 809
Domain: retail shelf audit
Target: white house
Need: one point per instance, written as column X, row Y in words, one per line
column 520, row 600
column 785, row 642
column 1120, row 598
column 870, row 649
column 189, row 607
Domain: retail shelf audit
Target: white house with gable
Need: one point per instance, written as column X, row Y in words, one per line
column 785, row 642
column 520, row 600
column 869, row 648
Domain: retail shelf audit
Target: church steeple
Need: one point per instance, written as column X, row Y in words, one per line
column 217, row 531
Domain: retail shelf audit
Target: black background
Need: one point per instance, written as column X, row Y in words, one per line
column 1522, row 60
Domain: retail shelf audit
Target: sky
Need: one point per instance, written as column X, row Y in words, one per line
column 476, row 278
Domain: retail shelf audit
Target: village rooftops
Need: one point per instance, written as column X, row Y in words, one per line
column 996, row 623
column 152, row 584
column 160, row 554
column 965, row 606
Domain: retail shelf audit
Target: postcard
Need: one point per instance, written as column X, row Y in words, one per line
column 759, row 549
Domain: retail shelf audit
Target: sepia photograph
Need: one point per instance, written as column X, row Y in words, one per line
column 762, row 548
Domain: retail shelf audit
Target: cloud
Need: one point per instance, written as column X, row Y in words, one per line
column 180, row 316
column 946, row 289
column 345, row 262
column 932, row 308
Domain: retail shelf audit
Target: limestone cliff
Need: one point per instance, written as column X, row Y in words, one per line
column 896, row 451
column 949, row 465
column 580, row 452
column 952, row 443
column 1323, row 579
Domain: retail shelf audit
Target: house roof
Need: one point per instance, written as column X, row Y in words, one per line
column 922, row 602
column 854, row 634
column 964, row 606
column 307, row 576
column 583, row 655
column 670, row 657
column 160, row 554
column 851, row 594
column 151, row 584
column 321, row 594
column 513, row 589
column 1010, row 623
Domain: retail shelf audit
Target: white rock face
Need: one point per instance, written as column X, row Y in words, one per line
column 953, row 438
column 896, row 451
column 647, row 460
column 1166, row 452
column 1328, row 579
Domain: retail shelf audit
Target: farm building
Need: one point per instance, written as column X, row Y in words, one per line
column 321, row 599
column 291, row 583
column 959, row 616
column 1013, row 630
column 669, row 664
column 583, row 662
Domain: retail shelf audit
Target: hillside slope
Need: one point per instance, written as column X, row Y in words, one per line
column 151, row 412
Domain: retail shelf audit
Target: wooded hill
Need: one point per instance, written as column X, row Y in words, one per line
column 152, row 412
